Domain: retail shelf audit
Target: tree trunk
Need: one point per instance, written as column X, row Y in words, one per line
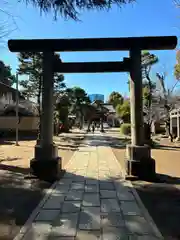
column 168, row 131
column 89, row 124
column 147, row 134
column 81, row 121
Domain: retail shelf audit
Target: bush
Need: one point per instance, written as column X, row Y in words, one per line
column 125, row 128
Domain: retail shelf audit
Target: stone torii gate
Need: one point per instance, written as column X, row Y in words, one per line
column 46, row 163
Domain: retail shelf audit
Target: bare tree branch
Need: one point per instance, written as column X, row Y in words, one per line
column 8, row 25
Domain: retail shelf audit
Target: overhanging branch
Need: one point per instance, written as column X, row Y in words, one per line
column 72, row 8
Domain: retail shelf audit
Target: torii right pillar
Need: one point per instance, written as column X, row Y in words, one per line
column 139, row 161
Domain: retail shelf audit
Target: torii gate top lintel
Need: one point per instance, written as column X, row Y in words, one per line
column 93, row 44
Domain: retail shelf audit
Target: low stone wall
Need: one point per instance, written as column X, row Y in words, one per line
column 8, row 123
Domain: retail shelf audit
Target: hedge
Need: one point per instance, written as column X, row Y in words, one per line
column 125, row 129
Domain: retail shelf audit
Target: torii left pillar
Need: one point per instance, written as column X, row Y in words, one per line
column 46, row 164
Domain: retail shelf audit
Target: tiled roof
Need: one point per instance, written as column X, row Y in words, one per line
column 109, row 107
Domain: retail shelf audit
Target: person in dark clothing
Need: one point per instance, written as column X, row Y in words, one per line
column 93, row 127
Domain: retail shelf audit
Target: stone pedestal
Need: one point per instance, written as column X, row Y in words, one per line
column 177, row 139
column 46, row 164
column 139, row 161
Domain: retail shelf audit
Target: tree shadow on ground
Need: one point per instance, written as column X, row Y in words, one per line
column 15, row 169
column 10, row 140
column 70, row 147
column 8, row 159
column 165, row 217
column 6, row 142
column 162, row 203
column 104, row 140
column 19, row 196
column 164, row 178
column 71, row 144
column 72, row 140
column 69, row 138
column 161, row 197
column 74, row 187
column 166, row 147
column 160, row 179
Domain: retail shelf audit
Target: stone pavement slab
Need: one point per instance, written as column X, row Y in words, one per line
column 92, row 201
column 74, row 195
column 112, row 219
column 89, row 235
column 110, row 205
column 130, row 208
column 65, row 225
column 90, row 218
column 113, row 233
column 47, row 215
column 108, row 194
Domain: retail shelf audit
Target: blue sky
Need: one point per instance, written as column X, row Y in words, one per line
column 140, row 19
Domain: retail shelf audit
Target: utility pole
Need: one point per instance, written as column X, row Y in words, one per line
column 17, row 110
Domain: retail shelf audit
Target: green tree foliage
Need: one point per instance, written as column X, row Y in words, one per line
column 177, row 66
column 148, row 93
column 149, row 86
column 123, row 111
column 72, row 101
column 79, row 99
column 148, row 60
column 63, row 105
column 115, row 98
column 125, row 129
column 71, row 9
column 166, row 99
column 31, row 64
column 6, row 75
column 102, row 111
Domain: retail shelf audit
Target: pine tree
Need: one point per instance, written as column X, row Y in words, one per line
column 72, row 9
column 6, row 76
column 31, row 64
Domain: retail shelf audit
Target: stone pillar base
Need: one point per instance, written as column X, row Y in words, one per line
column 139, row 162
column 46, row 165
column 177, row 139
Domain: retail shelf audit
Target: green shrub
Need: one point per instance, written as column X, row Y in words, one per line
column 125, row 129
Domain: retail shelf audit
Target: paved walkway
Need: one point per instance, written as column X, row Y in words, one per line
column 92, row 201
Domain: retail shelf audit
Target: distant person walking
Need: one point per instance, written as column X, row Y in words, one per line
column 93, row 127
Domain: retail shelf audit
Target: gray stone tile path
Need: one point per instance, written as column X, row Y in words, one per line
column 92, row 201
